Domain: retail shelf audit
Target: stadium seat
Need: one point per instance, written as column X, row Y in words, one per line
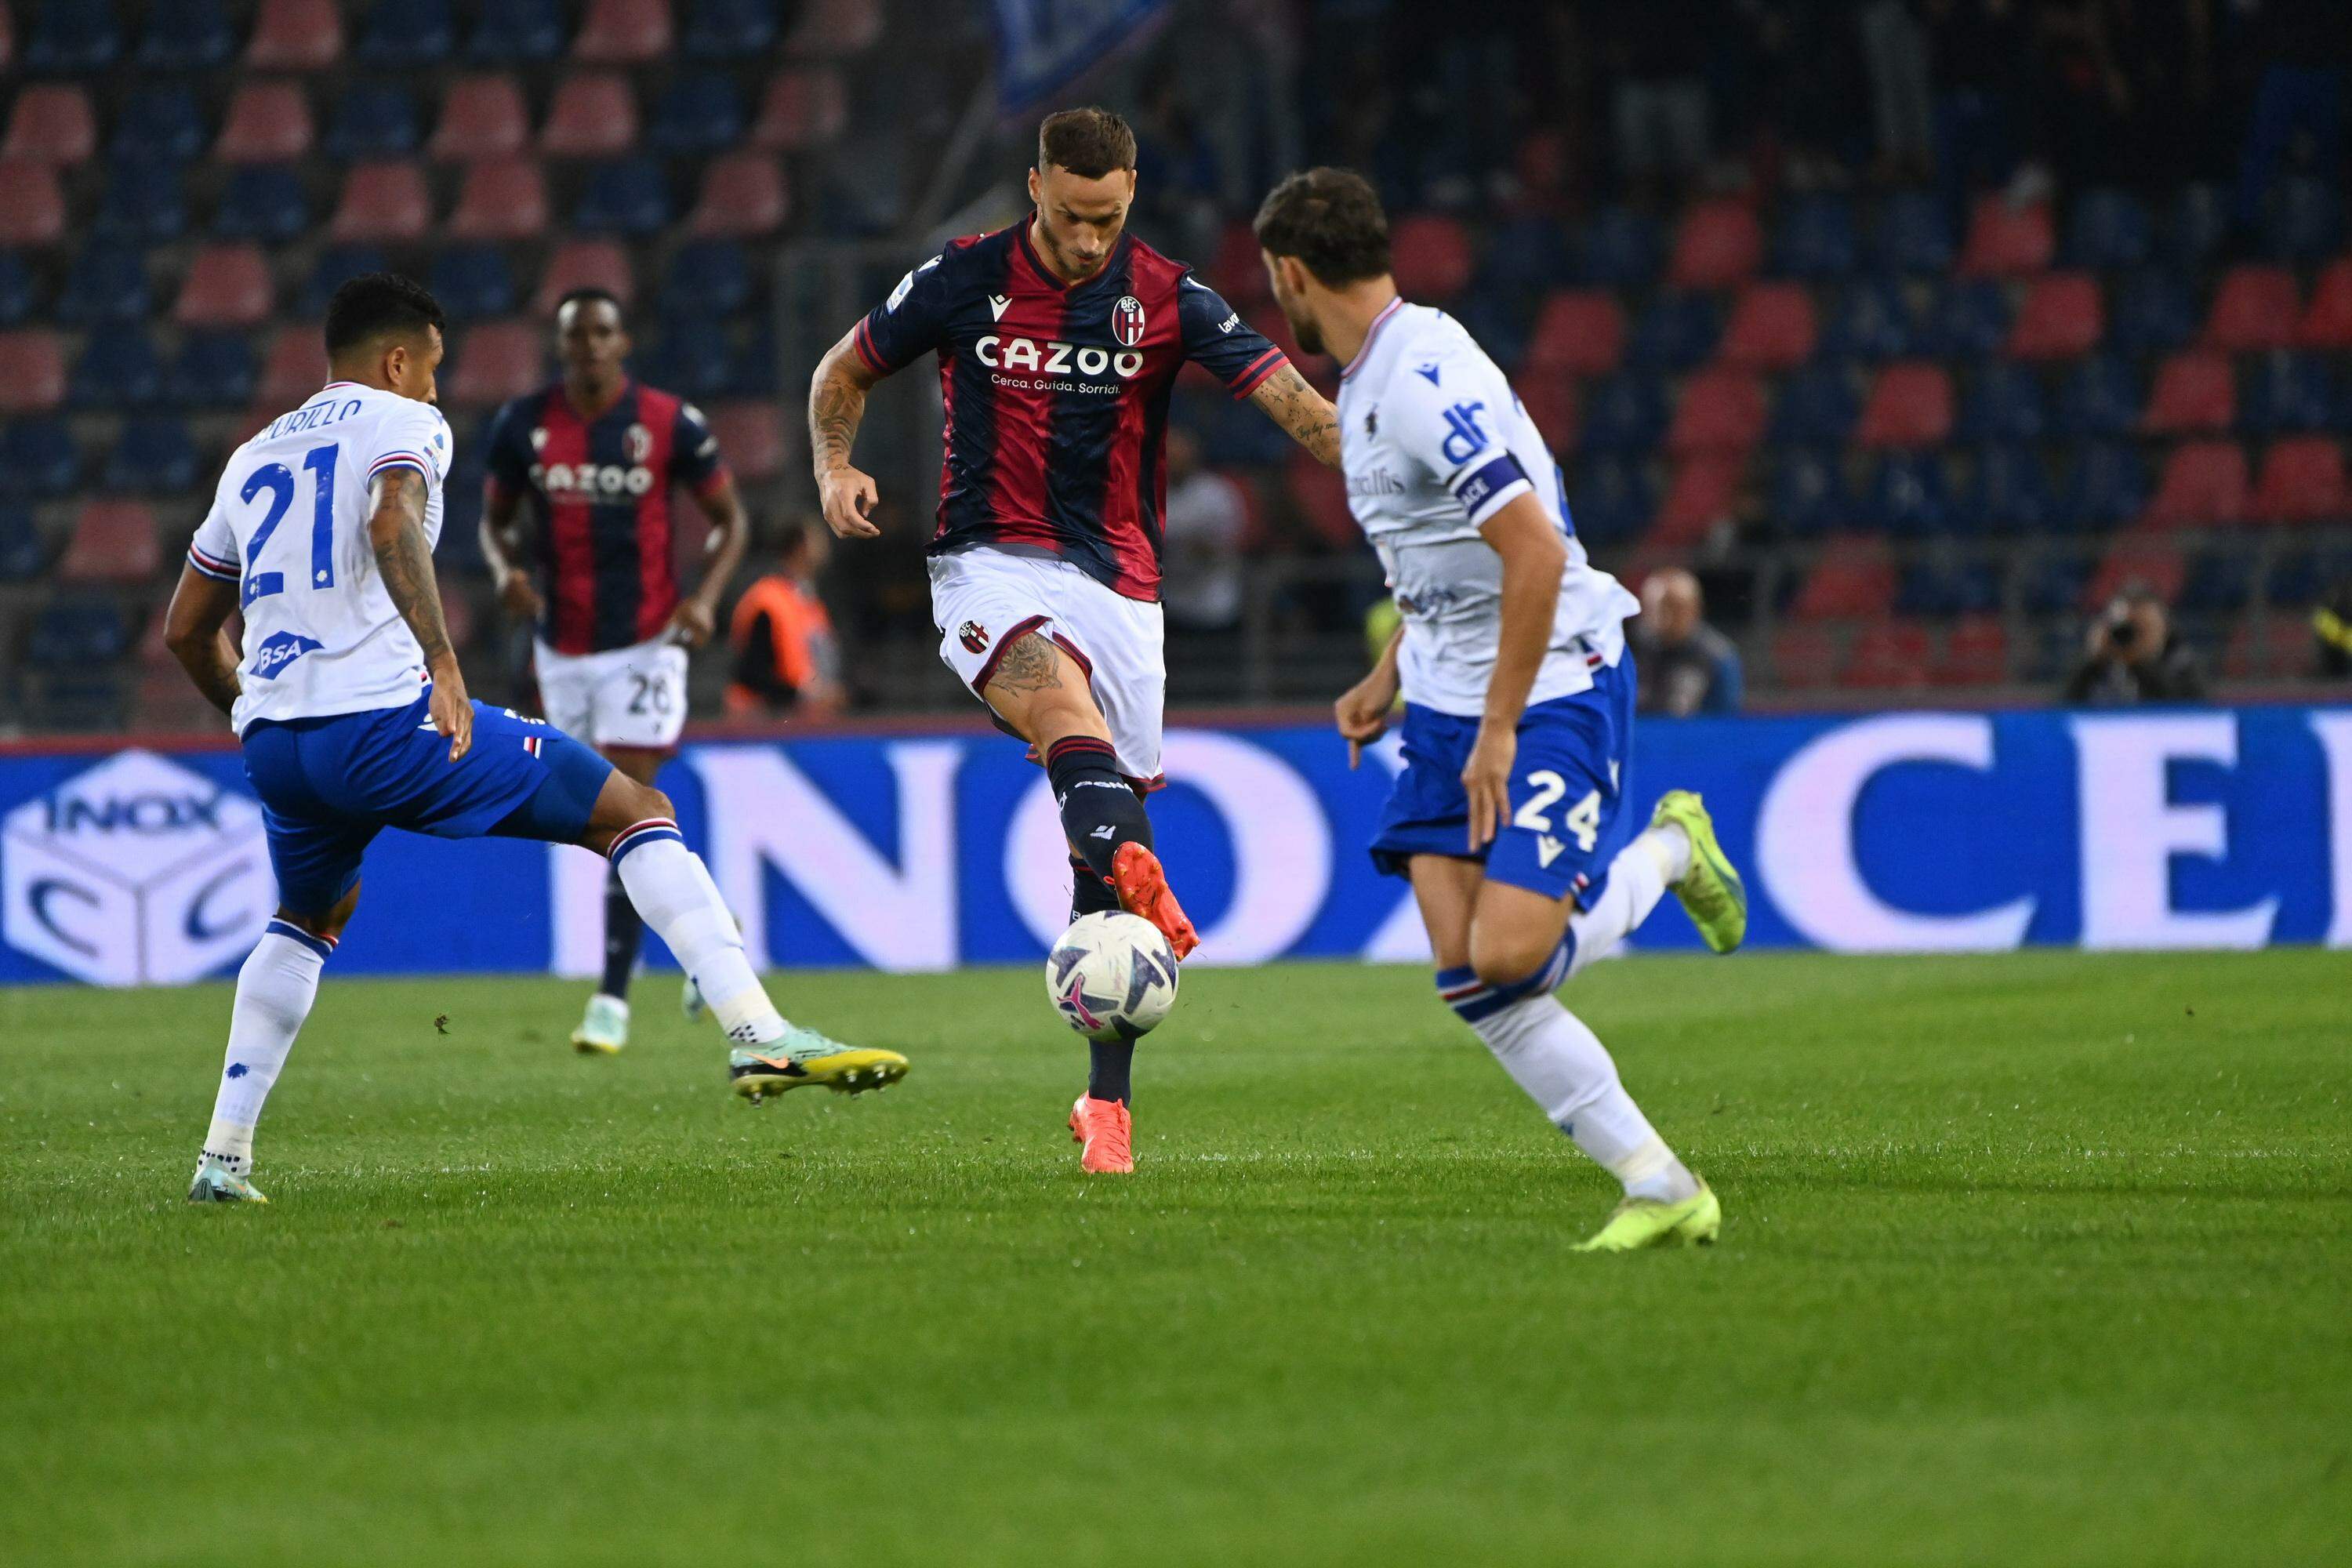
column 1887, row 655
column 373, row 120
column 1912, row 236
column 158, row 122
column 1804, row 658
column 1855, row 581
column 2007, row 241
column 213, row 370
column 802, row 108
column 501, row 198
column 1430, row 256
column 1677, row 332
column 516, row 32
column 1773, row 327
column 267, row 122
column 1910, row 405
column 186, row 35
column 1624, row 413
column 2256, row 307
column 2218, row 582
column 623, row 33
column 112, row 542
column 1815, row 406
column 78, row 631
column 727, row 30
column 1975, row 654
column 1620, row 249
column 2054, row 585
column 1942, row 584
column 1909, row 495
column 1705, row 492
column 153, row 456
column 2152, row 564
column 2062, row 318
column 711, row 274
column 593, row 115
column 295, row 367
column 2289, row 392
column 2100, row 397
column 2152, row 313
column 691, row 357
column 73, row 38
column 2198, row 227
column 590, row 264
column 2201, row 483
column 51, row 123
column 2003, row 402
column 2303, row 480
column 225, row 286
column 750, row 438
column 833, row 30
column 24, row 548
column 752, row 369
column 743, row 197
column 412, row 32
column 481, row 117
column 1807, row 493
column 1815, row 239
column 2327, row 322
column 338, row 265
column 107, row 283
column 294, row 36
column 1610, row 501
column 2304, row 220
column 626, row 196
column 2109, row 230
column 1321, row 495
column 2196, row 393
column 117, row 368
column 39, row 458
column 1967, row 318
column 384, row 201
column 2299, row 578
column 32, row 208
column 2008, row 492
column 1550, row 400
column 2108, row 488
column 1719, row 246
column 699, row 113
column 145, row 199
column 1580, row 332
column 2269, row 647
column 1524, row 256
column 20, row 293
column 263, row 201
column 32, row 370
column 1721, row 411
column 1869, row 320
column 473, row 280
column 497, row 361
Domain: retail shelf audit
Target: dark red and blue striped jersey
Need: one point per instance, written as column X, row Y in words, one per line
column 599, row 491
column 1058, row 395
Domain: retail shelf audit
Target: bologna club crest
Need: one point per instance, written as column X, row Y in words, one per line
column 1126, row 320
column 973, row 635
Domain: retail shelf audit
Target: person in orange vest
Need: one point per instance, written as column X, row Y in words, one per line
column 786, row 658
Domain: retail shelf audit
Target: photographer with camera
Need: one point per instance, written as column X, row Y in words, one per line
column 2135, row 656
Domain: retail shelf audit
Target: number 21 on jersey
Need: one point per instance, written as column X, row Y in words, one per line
column 278, row 480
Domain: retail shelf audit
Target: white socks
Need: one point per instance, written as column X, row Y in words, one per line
column 274, row 992
column 1563, row 1067
column 1638, row 879
column 672, row 890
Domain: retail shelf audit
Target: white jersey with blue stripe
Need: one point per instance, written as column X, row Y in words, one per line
column 289, row 526
column 1435, row 443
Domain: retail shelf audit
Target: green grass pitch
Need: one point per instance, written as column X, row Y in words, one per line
column 2044, row 1258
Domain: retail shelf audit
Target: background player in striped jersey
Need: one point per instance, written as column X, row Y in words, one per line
column 594, row 458
column 1058, row 340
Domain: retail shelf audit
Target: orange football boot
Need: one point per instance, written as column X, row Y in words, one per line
column 1142, row 887
column 1104, row 1133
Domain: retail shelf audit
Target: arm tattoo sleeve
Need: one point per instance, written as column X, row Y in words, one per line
column 1300, row 409
column 397, row 531
column 836, row 406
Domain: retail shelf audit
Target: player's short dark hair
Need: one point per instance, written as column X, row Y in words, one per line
column 591, row 294
column 1089, row 142
column 380, row 304
column 1331, row 220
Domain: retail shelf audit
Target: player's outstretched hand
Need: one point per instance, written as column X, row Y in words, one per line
column 1487, row 779
column 519, row 598
column 847, row 494
column 691, row 623
column 452, row 710
column 1362, row 711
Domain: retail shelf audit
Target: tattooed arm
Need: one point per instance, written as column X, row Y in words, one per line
column 201, row 607
column 1286, row 399
column 837, row 404
column 396, row 530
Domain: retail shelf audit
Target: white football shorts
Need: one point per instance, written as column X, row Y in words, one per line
column 630, row 697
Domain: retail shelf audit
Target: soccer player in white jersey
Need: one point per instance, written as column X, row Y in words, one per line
column 352, row 717
column 1519, row 695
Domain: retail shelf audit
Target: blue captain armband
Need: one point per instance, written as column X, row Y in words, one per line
column 1477, row 490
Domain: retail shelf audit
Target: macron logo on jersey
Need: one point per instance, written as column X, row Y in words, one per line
column 997, row 305
column 280, row 649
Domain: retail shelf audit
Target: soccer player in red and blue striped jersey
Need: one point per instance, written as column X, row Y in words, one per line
column 1058, row 341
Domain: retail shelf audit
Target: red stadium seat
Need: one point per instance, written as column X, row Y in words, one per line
column 2007, row 241
column 2302, row 482
column 2148, row 563
column 1910, row 406
column 803, row 109
column 1976, row 654
column 112, row 542
column 1580, row 331
column 383, row 202
column 2203, row 483
column 1550, row 399
column 1721, row 411
column 1322, row 496
column 267, row 122
column 1774, row 327
column 623, row 32
column 1855, row 581
column 32, row 208
column 2196, row 392
column 831, row 29
column 1705, row 492
column 2062, row 318
column 1804, row 659
column 32, row 371
column 294, row 36
column 2327, row 320
column 51, row 122
column 2269, row 647
column 1430, row 256
column 294, row 368
column 502, row 198
column 1889, row 655
column 750, row 438
column 497, row 361
column 585, row 264
column 2254, row 307
column 1719, row 246
column 595, row 115
column 1236, row 271
column 481, row 117
column 226, row 286
column 7, row 39
column 743, row 197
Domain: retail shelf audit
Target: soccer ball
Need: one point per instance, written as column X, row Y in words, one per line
column 1112, row 976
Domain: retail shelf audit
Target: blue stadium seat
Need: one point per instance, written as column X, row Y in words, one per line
column 20, row 293
column 1624, row 413
column 627, row 196
column 338, row 265
column 700, row 112
column 1912, row 235
column 24, row 550
column 751, row 372
column 2198, row 225
column 1968, row 319
column 729, row 31
column 118, row 368
column 1908, row 495
column 1497, row 324
column 1945, row 588
column 1620, row 249
column 2303, row 221
column 2218, row 582
column 74, row 35
column 263, row 201
column 1228, row 438
column 145, row 198
column 2151, row 313
column 412, row 32
column 1816, row 238
column 2288, row 393
column 2109, row 230
column 2101, row 396
column 107, row 283
column 2108, row 489
column 373, row 120
column 709, row 277
column 2003, row 400
column 1527, row 257
column 1676, row 332
column 2008, row 492
column 1868, row 319
column 473, row 280
column 153, row 456
column 1809, row 493
column 2054, row 586
column 460, row 549
column 186, row 35
column 81, row 631
column 38, row 458
column 690, row 359
column 1816, row 406
column 2299, row 578
column 159, row 122
column 1612, row 500
column 516, row 32
column 214, row 370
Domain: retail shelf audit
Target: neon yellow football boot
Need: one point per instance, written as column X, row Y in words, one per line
column 1637, row 1223
column 1711, row 891
column 802, row 1057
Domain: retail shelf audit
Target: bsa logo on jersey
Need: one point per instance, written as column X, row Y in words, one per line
column 973, row 635
column 1126, row 320
column 280, row 649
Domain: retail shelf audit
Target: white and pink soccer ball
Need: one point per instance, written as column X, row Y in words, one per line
column 1111, row 976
